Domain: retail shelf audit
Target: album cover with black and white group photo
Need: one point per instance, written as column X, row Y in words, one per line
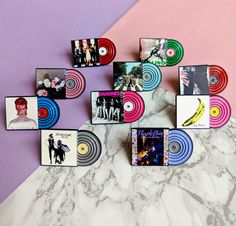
column 51, row 83
column 59, row 147
column 153, row 50
column 149, row 146
column 85, row 53
column 107, row 107
column 128, row 76
column 194, row 80
column 21, row 113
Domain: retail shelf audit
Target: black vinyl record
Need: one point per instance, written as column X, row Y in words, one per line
column 88, row 148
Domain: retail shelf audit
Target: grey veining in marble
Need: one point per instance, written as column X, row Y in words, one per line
column 112, row 192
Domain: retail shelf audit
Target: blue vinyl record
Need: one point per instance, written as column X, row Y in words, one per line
column 151, row 76
column 48, row 112
column 180, row 147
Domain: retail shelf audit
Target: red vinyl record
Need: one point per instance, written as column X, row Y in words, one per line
column 107, row 50
column 218, row 79
column 75, row 84
column 133, row 106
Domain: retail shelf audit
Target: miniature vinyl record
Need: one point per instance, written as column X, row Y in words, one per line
column 59, row 83
column 136, row 76
column 161, row 51
column 192, row 111
column 48, row 112
column 27, row 112
column 63, row 147
column 220, row 111
column 160, row 147
column 218, row 79
column 180, row 147
column 92, row 52
column 202, row 79
column 89, row 148
column 113, row 107
column 134, row 106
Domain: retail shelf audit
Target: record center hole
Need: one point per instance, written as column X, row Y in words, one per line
column 70, row 84
column 174, row 147
column 147, row 77
column 213, row 80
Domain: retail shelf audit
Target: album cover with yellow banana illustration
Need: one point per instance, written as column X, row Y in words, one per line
column 192, row 111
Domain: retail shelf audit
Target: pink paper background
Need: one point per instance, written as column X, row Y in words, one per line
column 206, row 30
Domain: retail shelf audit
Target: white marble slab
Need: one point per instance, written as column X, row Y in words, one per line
column 112, row 192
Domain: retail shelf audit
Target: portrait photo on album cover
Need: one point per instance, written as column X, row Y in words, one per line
column 21, row 113
column 85, row 53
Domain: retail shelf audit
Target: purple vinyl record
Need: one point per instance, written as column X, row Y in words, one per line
column 180, row 147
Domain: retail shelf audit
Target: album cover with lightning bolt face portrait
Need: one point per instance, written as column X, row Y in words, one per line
column 192, row 111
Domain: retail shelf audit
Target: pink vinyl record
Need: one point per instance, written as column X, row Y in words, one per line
column 75, row 84
column 133, row 106
column 220, row 111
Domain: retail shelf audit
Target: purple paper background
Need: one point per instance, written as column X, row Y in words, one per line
column 37, row 34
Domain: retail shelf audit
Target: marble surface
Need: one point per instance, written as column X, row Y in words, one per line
column 112, row 192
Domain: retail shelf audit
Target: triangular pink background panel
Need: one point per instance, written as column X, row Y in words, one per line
column 206, row 29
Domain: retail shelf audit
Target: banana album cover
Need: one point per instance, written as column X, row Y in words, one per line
column 192, row 111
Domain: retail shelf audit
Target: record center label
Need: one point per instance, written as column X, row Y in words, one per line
column 82, row 149
column 128, row 106
column 102, row 51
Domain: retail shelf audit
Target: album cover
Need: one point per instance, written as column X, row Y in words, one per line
column 153, row 50
column 194, row 80
column 128, row 76
column 59, row 147
column 51, row 83
column 85, row 53
column 149, row 146
column 107, row 107
column 193, row 111
column 21, row 113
